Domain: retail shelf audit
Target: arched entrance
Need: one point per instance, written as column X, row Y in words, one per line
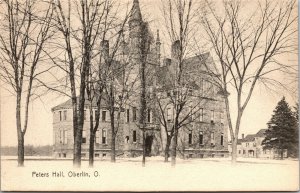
column 148, row 144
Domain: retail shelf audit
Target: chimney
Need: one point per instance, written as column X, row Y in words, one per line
column 175, row 51
column 105, row 49
column 243, row 136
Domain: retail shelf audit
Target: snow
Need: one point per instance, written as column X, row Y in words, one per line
column 210, row 174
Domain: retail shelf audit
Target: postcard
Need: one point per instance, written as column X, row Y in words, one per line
column 149, row 95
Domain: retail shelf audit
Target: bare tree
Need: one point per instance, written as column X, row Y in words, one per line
column 179, row 17
column 80, row 40
column 24, row 33
column 248, row 46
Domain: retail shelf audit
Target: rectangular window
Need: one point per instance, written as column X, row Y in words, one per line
column 212, row 115
column 149, row 116
column 65, row 141
column 103, row 136
column 244, row 151
column 134, row 136
column 127, row 115
column 83, row 136
column 212, row 138
column 134, row 113
column 222, row 139
column 201, row 138
column 97, row 137
column 169, row 114
column 201, row 115
column 96, row 112
column 103, row 116
column 239, row 151
column 190, row 137
column 65, row 115
column 60, row 136
column 60, row 116
column 84, row 115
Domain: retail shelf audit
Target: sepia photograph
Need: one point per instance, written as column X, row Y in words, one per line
column 149, row 95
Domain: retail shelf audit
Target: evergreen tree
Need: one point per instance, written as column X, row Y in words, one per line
column 282, row 130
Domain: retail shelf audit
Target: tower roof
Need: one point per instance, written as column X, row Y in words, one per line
column 135, row 11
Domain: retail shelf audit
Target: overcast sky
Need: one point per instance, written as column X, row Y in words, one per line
column 257, row 114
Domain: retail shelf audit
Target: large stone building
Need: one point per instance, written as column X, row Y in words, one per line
column 204, row 134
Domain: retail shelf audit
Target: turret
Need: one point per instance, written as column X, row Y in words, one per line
column 135, row 20
column 158, row 48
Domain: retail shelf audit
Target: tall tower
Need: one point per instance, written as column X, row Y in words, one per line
column 158, row 43
column 135, row 29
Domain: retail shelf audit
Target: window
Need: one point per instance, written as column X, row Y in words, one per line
column 104, row 116
column 97, row 137
column 65, row 115
column 65, row 137
column 212, row 115
column 201, row 115
column 169, row 114
column 64, row 155
column 60, row 136
column 134, row 136
column 149, row 116
column 84, row 115
column 222, row 139
column 244, row 151
column 212, row 138
column 201, row 138
column 127, row 115
column 96, row 154
column 134, row 113
column 103, row 136
column 60, row 116
column 96, row 112
column 239, row 151
column 190, row 137
column 83, row 136
column 127, row 139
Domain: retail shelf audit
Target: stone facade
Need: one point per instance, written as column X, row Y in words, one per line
column 204, row 136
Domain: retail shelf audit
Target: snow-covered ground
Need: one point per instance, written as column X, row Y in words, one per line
column 128, row 174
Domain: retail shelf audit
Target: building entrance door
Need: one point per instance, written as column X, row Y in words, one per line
column 148, row 144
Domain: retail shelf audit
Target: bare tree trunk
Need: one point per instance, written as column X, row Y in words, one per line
column 19, row 132
column 144, row 149
column 173, row 149
column 20, row 149
column 234, row 151
column 91, row 149
column 167, row 148
column 77, row 147
column 113, row 136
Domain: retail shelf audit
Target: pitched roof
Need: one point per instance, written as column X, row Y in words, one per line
column 251, row 137
column 261, row 133
column 135, row 12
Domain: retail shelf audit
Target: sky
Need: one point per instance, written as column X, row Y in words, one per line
column 256, row 115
